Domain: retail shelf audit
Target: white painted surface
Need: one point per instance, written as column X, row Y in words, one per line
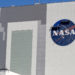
column 8, row 73
column 17, row 26
column 59, row 60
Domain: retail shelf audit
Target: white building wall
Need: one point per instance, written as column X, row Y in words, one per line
column 59, row 60
column 25, row 14
column 54, row 59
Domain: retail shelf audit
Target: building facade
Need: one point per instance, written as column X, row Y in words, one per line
column 37, row 38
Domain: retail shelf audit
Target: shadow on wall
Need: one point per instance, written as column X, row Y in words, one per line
column 25, row 13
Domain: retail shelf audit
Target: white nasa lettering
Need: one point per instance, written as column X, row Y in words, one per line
column 55, row 33
column 67, row 32
column 73, row 31
column 61, row 32
column 64, row 32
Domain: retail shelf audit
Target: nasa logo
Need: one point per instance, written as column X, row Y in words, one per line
column 63, row 32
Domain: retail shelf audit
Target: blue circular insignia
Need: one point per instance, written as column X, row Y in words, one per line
column 63, row 32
